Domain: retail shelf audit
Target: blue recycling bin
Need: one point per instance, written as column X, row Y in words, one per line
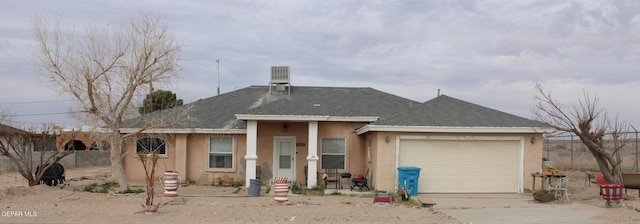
column 408, row 178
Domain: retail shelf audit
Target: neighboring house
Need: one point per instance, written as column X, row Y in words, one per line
column 79, row 139
column 281, row 131
column 65, row 139
column 33, row 148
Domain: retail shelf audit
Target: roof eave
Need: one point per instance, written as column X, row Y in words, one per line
column 452, row 129
column 261, row 117
column 186, row 131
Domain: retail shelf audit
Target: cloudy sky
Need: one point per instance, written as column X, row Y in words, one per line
column 490, row 53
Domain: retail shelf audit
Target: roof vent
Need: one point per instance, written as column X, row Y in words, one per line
column 280, row 78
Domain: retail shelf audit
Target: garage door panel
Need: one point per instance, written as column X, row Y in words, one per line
column 463, row 166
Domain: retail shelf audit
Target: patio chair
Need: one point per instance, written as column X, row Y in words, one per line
column 331, row 175
column 561, row 188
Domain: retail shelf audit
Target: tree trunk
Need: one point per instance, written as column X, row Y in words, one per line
column 117, row 166
column 610, row 171
column 32, row 182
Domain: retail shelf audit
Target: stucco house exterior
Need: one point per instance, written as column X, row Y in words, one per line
column 279, row 130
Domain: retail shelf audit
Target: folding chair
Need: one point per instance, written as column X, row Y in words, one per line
column 331, row 175
column 561, row 188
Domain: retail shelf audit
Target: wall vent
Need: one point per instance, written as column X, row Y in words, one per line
column 280, row 79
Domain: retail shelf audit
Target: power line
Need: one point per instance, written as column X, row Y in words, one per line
column 42, row 114
column 35, row 102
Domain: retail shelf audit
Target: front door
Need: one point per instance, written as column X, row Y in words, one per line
column 284, row 158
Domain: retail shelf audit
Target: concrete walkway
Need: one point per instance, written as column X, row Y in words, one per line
column 513, row 208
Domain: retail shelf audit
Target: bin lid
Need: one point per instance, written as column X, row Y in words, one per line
column 409, row 168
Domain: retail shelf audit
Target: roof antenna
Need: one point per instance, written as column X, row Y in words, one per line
column 438, row 92
column 218, row 63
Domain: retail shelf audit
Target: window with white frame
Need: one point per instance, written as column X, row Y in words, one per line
column 221, row 152
column 149, row 145
column 334, row 153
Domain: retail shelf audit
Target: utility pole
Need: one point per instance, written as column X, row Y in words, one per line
column 218, row 62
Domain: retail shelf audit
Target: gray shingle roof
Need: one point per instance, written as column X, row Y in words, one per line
column 450, row 112
column 219, row 112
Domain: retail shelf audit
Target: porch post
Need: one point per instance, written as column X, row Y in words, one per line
column 312, row 155
column 251, row 156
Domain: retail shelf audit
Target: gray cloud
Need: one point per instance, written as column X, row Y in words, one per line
column 489, row 52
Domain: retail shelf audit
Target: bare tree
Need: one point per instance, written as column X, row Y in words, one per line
column 107, row 69
column 602, row 136
column 42, row 146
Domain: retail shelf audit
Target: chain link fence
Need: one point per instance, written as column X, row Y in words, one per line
column 567, row 152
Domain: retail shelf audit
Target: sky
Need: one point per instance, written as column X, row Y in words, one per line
column 488, row 52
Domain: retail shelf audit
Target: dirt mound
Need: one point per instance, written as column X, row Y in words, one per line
column 16, row 192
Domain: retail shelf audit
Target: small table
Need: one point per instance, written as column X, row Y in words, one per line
column 548, row 177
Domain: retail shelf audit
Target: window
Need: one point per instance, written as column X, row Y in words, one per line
column 221, row 152
column 149, row 145
column 333, row 153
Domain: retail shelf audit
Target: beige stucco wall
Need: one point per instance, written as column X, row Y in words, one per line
column 356, row 153
column 384, row 156
column 381, row 166
column 196, row 164
column 133, row 166
column 267, row 131
column 197, row 145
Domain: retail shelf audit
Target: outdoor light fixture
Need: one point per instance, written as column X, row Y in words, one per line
column 284, row 128
column 386, row 139
column 533, row 140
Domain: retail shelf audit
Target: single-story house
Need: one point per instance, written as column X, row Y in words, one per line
column 280, row 130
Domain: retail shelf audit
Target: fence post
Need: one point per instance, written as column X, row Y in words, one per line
column 548, row 140
column 571, row 151
column 636, row 162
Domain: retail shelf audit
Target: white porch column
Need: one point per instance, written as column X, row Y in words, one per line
column 312, row 155
column 251, row 156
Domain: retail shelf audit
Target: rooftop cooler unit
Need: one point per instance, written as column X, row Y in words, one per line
column 280, row 79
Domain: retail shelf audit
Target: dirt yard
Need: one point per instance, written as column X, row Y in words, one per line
column 42, row 203
column 203, row 204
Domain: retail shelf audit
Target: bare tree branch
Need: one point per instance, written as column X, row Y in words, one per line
column 590, row 123
column 21, row 146
column 107, row 69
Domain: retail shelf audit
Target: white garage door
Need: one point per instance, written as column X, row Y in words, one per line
column 463, row 165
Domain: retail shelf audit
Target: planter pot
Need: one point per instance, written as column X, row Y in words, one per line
column 170, row 181
column 217, row 181
column 281, row 189
column 228, row 181
column 150, row 209
column 612, row 194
